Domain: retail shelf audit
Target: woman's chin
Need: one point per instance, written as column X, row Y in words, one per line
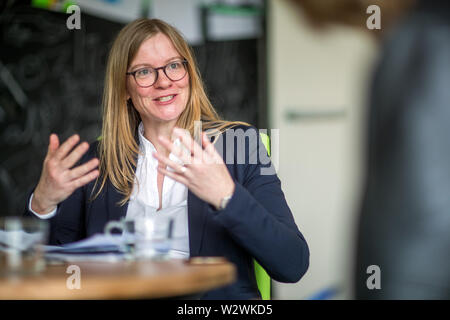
column 166, row 118
column 160, row 114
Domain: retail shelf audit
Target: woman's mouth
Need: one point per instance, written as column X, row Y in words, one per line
column 165, row 99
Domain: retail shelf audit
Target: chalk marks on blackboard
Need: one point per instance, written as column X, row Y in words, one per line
column 51, row 81
column 229, row 69
column 13, row 86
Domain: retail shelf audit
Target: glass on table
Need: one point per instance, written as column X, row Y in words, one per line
column 147, row 237
column 21, row 246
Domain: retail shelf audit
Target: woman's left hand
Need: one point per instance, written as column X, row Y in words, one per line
column 204, row 171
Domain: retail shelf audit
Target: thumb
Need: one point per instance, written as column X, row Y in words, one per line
column 53, row 143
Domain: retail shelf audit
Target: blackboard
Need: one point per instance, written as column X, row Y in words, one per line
column 51, row 81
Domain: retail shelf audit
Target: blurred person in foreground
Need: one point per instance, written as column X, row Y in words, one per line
column 149, row 164
column 405, row 217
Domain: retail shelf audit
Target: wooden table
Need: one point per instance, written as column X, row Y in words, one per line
column 121, row 280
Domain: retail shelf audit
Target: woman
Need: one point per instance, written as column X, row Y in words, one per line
column 152, row 91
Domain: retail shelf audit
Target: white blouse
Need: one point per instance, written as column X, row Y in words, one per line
column 144, row 200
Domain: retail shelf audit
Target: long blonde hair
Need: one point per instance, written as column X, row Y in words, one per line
column 118, row 147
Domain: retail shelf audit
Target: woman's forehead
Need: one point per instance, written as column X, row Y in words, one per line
column 156, row 51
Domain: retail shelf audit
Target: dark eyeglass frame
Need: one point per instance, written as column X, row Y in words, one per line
column 163, row 68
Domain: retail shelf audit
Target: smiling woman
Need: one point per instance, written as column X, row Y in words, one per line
column 158, row 99
column 149, row 45
column 149, row 165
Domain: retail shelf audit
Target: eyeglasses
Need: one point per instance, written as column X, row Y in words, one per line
column 146, row 77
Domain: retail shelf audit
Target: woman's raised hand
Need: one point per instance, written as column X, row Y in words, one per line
column 59, row 178
column 203, row 172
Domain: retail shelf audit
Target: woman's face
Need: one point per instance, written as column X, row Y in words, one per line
column 165, row 100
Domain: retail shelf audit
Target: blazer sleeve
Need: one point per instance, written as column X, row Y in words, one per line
column 259, row 219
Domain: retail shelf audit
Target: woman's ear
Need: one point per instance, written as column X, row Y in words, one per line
column 128, row 99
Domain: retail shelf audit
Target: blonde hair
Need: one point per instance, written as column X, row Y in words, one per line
column 118, row 147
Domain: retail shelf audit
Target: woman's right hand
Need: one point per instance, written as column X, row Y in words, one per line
column 59, row 179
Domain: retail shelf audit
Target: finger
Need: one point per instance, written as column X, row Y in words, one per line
column 168, row 162
column 186, row 139
column 178, row 151
column 181, row 152
column 207, row 145
column 71, row 159
column 53, row 144
column 75, row 184
column 79, row 171
column 66, row 147
column 175, row 176
column 210, row 154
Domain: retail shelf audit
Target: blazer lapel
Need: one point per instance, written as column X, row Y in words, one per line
column 196, row 222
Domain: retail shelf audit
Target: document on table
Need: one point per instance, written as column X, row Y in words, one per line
column 99, row 247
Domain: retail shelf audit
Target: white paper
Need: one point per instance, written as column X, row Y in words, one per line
column 99, row 247
column 107, row 257
column 97, row 241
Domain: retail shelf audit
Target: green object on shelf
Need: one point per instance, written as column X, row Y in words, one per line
column 44, row 4
column 52, row 4
column 68, row 4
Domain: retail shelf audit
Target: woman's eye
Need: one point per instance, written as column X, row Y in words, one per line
column 143, row 72
column 174, row 65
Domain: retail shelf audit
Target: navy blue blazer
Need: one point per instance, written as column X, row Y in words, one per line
column 256, row 224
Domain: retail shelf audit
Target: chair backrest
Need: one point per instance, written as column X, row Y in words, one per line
column 262, row 278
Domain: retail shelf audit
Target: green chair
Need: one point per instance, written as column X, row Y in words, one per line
column 262, row 278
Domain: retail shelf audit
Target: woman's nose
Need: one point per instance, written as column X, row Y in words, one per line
column 162, row 81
